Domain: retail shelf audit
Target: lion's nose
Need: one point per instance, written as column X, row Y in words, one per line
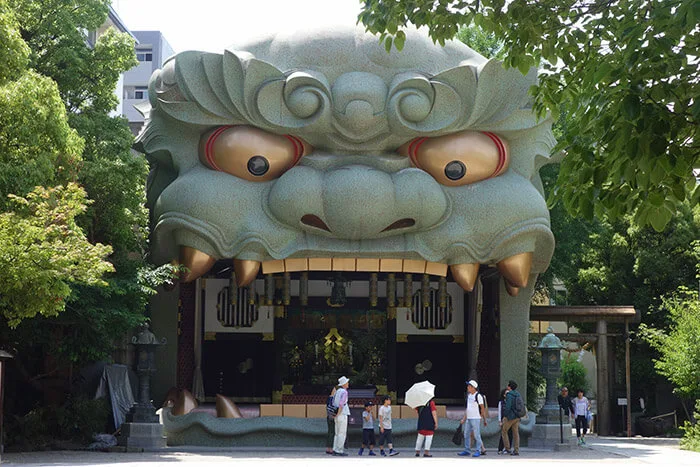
column 357, row 201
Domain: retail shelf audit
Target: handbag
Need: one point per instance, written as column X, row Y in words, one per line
column 458, row 437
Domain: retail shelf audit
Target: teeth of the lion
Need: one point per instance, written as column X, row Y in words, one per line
column 511, row 289
column 516, row 269
column 246, row 271
column 196, row 261
column 465, row 274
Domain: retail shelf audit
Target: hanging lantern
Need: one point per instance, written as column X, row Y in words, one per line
column 304, row 289
column 425, row 290
column 287, row 289
column 373, row 280
column 442, row 292
column 232, row 289
column 269, row 288
column 407, row 290
column 391, row 290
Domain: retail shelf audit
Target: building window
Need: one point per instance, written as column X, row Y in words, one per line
column 431, row 313
column 145, row 55
column 236, row 308
column 141, row 92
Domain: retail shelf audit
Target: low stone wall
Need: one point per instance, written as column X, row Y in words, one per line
column 203, row 429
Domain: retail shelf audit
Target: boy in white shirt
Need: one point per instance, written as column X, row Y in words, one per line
column 385, row 427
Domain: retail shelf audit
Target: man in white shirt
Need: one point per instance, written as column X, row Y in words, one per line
column 340, row 400
column 473, row 414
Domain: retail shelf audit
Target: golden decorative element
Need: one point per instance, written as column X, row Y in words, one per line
column 196, row 261
column 296, row 264
column 280, row 312
column 287, row 389
column 382, row 389
column 465, row 274
column 391, row 265
column 320, row 264
column 425, row 290
column 209, row 336
column 367, row 264
column 402, row 338
column 391, row 291
column 373, row 289
column 251, row 293
column 442, row 292
column 412, row 265
column 391, row 313
column 226, row 408
column 246, row 271
column 482, row 155
column 436, row 269
column 407, row 290
column 511, row 289
column 343, row 264
column 458, row 339
column 276, row 397
column 272, row 267
column 287, row 289
column 268, row 336
column 516, row 269
column 185, row 403
column 230, row 149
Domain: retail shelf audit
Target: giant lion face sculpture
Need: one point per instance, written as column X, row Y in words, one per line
column 318, row 150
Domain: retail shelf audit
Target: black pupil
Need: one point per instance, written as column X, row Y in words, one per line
column 258, row 165
column 455, row 170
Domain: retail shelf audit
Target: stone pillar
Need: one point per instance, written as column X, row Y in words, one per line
column 163, row 319
column 603, row 390
column 514, row 330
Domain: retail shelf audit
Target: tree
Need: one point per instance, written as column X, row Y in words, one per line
column 679, row 346
column 626, row 73
column 76, row 80
column 43, row 251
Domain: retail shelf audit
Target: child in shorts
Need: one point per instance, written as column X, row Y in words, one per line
column 367, row 430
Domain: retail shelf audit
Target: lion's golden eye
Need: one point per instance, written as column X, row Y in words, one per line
column 460, row 158
column 250, row 153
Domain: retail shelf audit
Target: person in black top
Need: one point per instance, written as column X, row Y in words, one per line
column 565, row 402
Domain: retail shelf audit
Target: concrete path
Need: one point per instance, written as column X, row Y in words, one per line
column 601, row 452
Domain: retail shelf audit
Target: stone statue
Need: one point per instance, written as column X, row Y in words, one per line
column 315, row 148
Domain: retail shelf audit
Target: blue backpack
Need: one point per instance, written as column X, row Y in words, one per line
column 331, row 409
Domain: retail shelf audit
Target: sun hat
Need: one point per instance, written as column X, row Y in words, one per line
column 343, row 380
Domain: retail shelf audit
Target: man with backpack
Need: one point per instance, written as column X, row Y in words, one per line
column 514, row 410
column 474, row 412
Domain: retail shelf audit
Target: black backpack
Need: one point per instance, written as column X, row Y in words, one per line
column 519, row 406
column 476, row 398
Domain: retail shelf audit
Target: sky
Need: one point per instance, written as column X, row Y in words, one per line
column 211, row 25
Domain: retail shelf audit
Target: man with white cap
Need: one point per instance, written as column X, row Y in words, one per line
column 341, row 419
column 473, row 414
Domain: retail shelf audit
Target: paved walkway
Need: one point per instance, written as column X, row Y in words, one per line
column 600, row 451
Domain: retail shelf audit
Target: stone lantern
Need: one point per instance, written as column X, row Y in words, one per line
column 142, row 429
column 550, row 347
column 548, row 431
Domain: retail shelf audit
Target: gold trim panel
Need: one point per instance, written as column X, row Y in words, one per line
column 415, row 266
column 402, row 338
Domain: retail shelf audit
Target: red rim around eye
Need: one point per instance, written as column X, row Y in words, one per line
column 208, row 147
column 501, row 152
column 298, row 148
column 413, row 150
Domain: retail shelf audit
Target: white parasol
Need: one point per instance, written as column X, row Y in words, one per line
column 419, row 394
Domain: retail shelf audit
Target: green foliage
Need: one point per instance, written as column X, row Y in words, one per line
column 486, row 44
column 573, row 375
column 14, row 52
column 46, row 427
column 691, row 436
column 536, row 383
column 37, row 146
column 624, row 71
column 679, row 346
column 42, row 251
